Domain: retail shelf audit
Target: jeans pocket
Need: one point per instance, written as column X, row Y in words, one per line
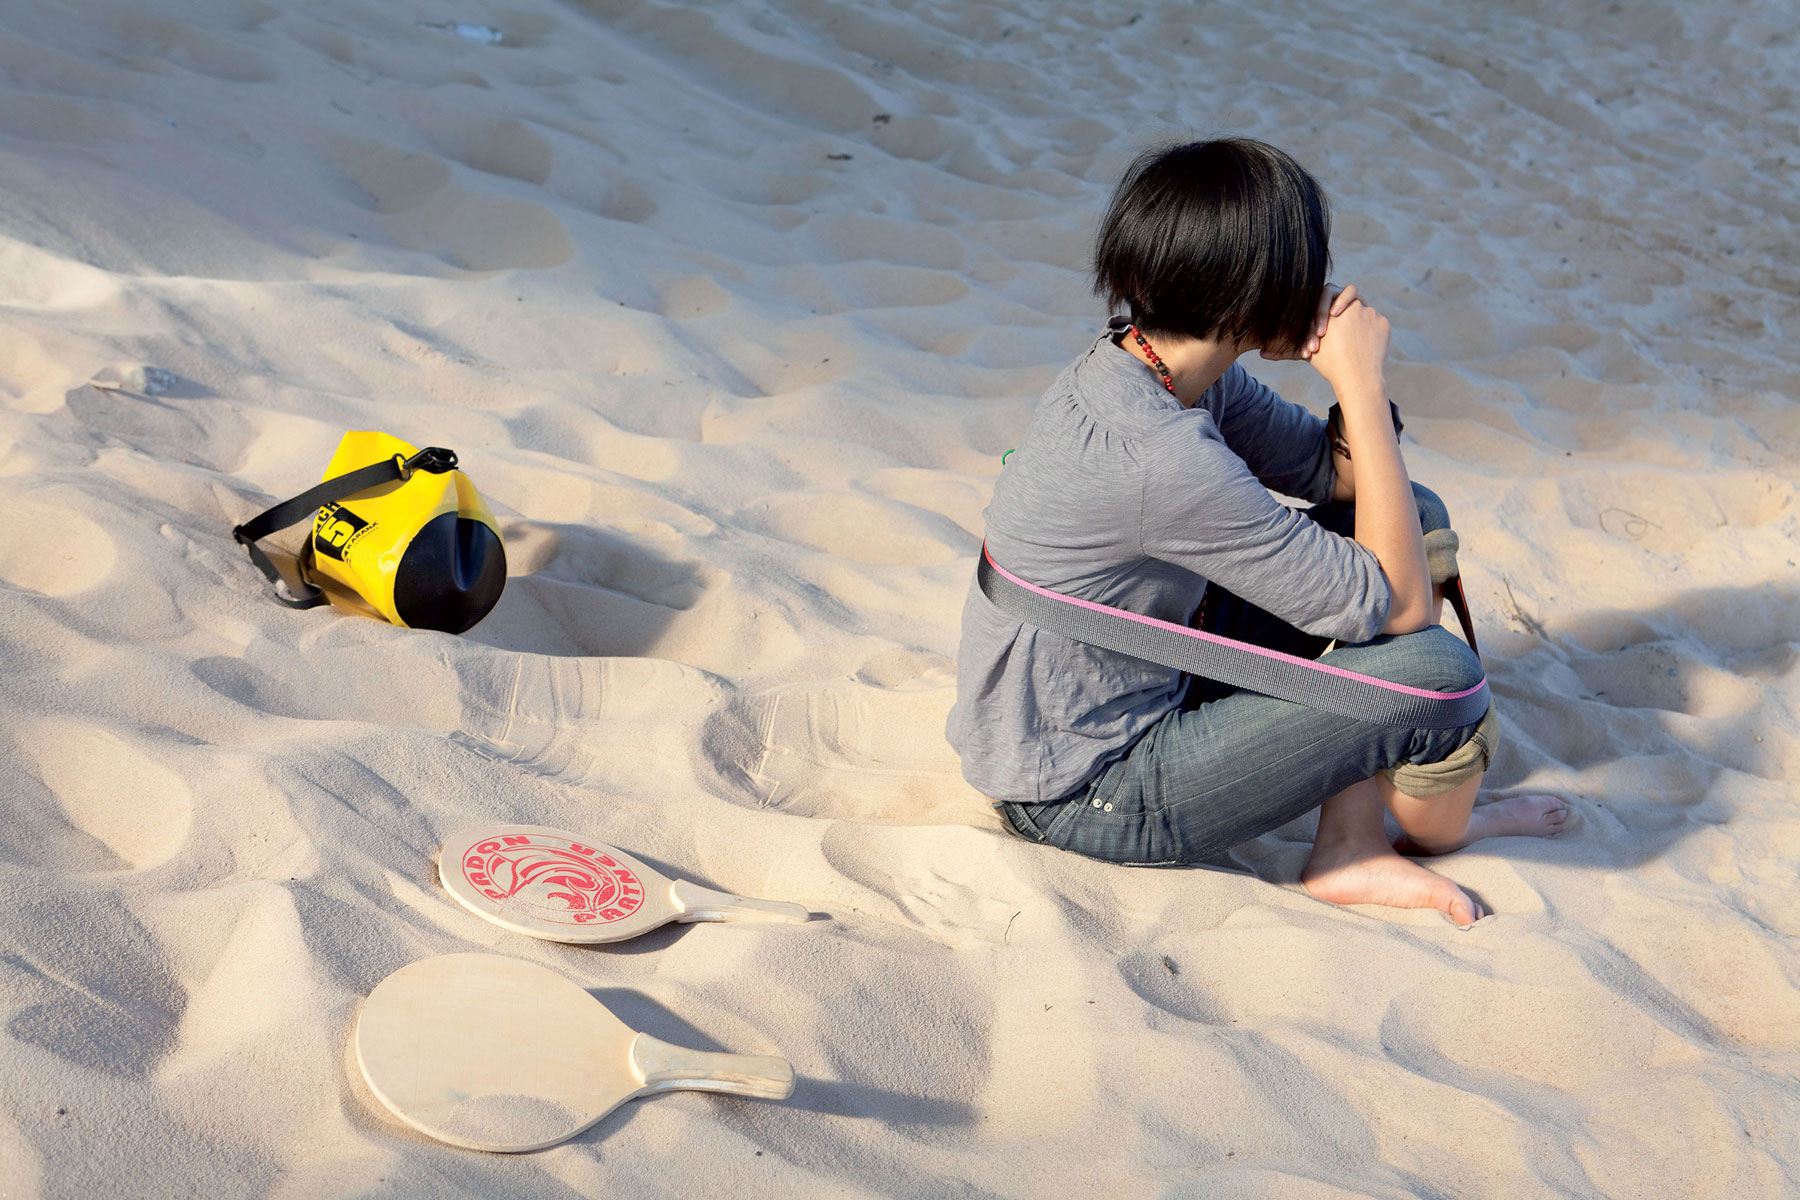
column 1055, row 830
column 1091, row 802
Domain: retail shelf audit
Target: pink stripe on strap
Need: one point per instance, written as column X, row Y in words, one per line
column 1230, row 643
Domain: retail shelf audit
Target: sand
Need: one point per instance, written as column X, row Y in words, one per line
column 731, row 310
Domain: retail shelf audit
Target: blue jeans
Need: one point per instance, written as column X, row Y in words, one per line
column 1230, row 765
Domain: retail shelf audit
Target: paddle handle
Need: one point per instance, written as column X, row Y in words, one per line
column 667, row 1068
column 704, row 904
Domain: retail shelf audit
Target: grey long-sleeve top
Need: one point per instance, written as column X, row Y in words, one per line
column 1120, row 495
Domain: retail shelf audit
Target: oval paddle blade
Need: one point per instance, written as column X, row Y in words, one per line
column 493, row 1053
column 549, row 884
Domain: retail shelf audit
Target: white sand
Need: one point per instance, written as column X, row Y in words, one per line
column 730, row 310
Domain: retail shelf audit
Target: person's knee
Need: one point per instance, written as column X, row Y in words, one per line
column 1470, row 760
column 1339, row 516
column 1433, row 513
column 1443, row 761
column 1432, row 658
column 1441, row 542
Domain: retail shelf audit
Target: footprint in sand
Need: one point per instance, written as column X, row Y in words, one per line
column 91, row 985
column 1053, row 241
column 40, row 118
column 924, row 138
column 579, row 435
column 1156, row 979
column 234, row 678
column 686, row 297
column 112, row 791
column 138, row 35
column 578, row 589
column 47, row 547
column 759, row 69
column 624, row 199
column 1593, row 1034
column 424, row 210
column 552, row 715
column 903, row 670
column 865, row 529
column 252, row 1001
column 1686, row 1135
column 494, row 145
column 851, row 749
column 1458, row 330
column 767, row 188
column 958, row 889
column 585, row 556
column 389, row 179
column 486, row 233
column 334, row 44
column 856, row 237
column 946, row 493
column 867, row 285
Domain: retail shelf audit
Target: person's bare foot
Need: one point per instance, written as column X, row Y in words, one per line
column 1515, row 816
column 1377, row 875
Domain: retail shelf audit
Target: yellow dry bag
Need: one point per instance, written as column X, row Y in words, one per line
column 400, row 529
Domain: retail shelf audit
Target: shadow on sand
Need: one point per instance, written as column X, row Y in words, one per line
column 1645, row 710
column 584, row 591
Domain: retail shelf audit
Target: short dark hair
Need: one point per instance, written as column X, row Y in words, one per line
column 1226, row 238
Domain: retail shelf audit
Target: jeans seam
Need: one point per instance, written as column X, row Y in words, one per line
column 1295, row 753
column 1071, row 808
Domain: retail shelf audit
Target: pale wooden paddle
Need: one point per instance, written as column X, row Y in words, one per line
column 497, row 1053
column 559, row 886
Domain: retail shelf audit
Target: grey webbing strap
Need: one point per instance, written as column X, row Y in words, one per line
column 1270, row 672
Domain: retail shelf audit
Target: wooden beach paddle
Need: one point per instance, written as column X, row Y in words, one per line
column 497, row 1053
column 564, row 888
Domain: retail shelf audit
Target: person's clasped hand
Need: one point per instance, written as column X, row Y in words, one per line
column 1332, row 302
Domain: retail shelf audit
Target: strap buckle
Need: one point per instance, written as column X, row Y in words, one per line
column 433, row 459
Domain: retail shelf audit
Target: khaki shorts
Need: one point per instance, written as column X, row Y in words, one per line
column 1470, row 760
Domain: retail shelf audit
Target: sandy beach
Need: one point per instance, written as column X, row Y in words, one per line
column 730, row 310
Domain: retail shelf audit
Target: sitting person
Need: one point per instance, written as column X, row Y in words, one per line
column 1143, row 481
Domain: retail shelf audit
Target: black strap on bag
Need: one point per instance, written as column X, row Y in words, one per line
column 1243, row 664
column 434, row 459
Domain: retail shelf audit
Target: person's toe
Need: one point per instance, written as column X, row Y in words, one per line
column 1464, row 911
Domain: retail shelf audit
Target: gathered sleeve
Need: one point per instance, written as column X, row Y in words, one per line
column 1205, row 511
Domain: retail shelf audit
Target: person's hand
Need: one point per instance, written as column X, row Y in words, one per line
column 1352, row 350
column 1332, row 301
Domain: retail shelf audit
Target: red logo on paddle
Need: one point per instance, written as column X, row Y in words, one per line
column 553, row 879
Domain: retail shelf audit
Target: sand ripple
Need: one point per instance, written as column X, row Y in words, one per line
column 731, row 310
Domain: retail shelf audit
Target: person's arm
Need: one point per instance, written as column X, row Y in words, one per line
column 1282, row 444
column 1204, row 511
column 1350, row 357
